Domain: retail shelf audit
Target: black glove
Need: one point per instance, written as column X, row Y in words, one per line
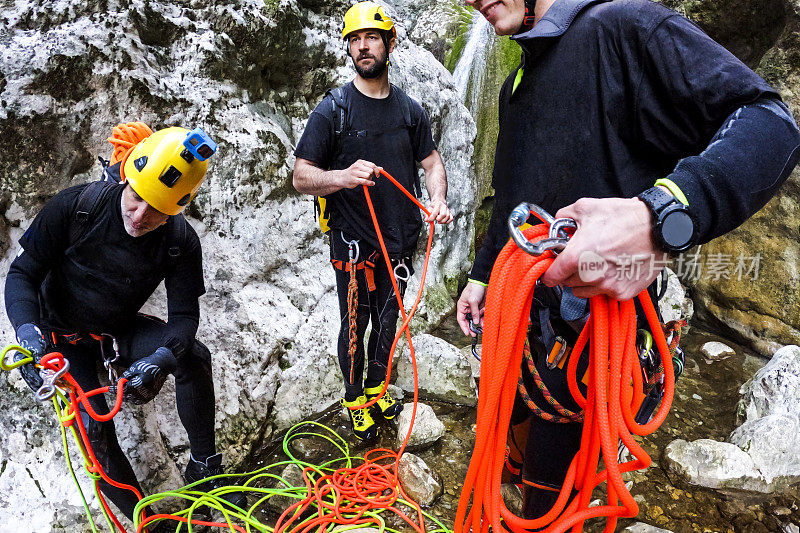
column 146, row 376
column 30, row 337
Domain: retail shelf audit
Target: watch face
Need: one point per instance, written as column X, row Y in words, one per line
column 677, row 229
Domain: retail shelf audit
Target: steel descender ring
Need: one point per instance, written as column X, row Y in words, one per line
column 49, row 379
column 557, row 239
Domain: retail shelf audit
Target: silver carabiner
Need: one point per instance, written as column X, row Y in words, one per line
column 112, row 373
column 402, row 265
column 49, row 379
column 519, row 216
column 353, row 251
column 558, row 229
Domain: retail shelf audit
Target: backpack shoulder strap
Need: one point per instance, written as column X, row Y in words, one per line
column 178, row 236
column 89, row 201
column 340, row 109
column 406, row 107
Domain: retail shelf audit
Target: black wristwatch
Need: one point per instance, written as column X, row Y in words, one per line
column 673, row 224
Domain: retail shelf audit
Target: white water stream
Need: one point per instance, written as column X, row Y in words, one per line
column 468, row 74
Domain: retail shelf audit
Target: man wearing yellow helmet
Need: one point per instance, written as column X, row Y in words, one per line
column 89, row 261
column 358, row 129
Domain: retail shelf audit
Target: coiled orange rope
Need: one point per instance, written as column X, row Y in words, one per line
column 613, row 397
column 125, row 136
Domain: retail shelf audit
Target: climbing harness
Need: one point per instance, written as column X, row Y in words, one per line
column 615, row 391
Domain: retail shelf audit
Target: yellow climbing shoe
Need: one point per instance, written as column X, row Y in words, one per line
column 363, row 425
column 388, row 406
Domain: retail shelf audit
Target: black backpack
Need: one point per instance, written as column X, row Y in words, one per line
column 340, row 105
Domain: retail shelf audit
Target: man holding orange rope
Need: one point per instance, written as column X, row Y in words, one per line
column 89, row 261
column 627, row 118
column 357, row 130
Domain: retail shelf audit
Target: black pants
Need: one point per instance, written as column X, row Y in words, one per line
column 194, row 392
column 379, row 307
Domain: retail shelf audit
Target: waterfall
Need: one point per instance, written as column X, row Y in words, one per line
column 468, row 74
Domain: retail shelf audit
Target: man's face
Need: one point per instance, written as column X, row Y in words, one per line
column 505, row 15
column 137, row 215
column 368, row 52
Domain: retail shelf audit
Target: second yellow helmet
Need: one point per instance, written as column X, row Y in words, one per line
column 367, row 16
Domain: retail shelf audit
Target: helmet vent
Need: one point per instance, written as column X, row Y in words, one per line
column 140, row 162
column 170, row 176
column 378, row 16
column 185, row 200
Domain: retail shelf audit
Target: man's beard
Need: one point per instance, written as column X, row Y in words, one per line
column 375, row 71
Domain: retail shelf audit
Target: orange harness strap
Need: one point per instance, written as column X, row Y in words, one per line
column 367, row 265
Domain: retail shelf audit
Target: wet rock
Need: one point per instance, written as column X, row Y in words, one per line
column 712, row 464
column 474, row 363
column 716, row 351
column 675, row 305
column 774, row 389
column 512, row 496
column 421, row 483
column 772, row 442
column 641, row 527
column 427, row 428
column 292, row 474
column 444, row 373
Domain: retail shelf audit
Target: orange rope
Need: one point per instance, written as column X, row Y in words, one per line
column 124, row 137
column 374, row 484
column 613, row 397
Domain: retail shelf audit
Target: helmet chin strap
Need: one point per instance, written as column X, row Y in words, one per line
column 528, row 20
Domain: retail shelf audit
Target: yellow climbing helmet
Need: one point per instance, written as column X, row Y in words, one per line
column 364, row 16
column 167, row 168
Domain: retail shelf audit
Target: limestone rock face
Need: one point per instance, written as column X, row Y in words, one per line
column 249, row 73
column 444, row 372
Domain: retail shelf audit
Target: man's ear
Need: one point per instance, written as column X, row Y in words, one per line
column 392, row 44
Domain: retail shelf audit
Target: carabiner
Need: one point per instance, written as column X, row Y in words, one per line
column 519, row 216
column 112, row 374
column 402, row 265
column 353, row 251
column 49, row 379
column 477, row 330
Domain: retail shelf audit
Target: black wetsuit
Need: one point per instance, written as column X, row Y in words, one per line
column 611, row 96
column 95, row 281
column 375, row 131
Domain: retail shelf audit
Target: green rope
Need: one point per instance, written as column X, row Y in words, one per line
column 283, row 488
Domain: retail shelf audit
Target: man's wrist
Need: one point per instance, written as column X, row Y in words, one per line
column 476, row 282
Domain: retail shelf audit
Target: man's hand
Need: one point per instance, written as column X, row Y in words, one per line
column 470, row 302
column 359, row 173
column 147, row 375
column 30, row 337
column 439, row 212
column 614, row 235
